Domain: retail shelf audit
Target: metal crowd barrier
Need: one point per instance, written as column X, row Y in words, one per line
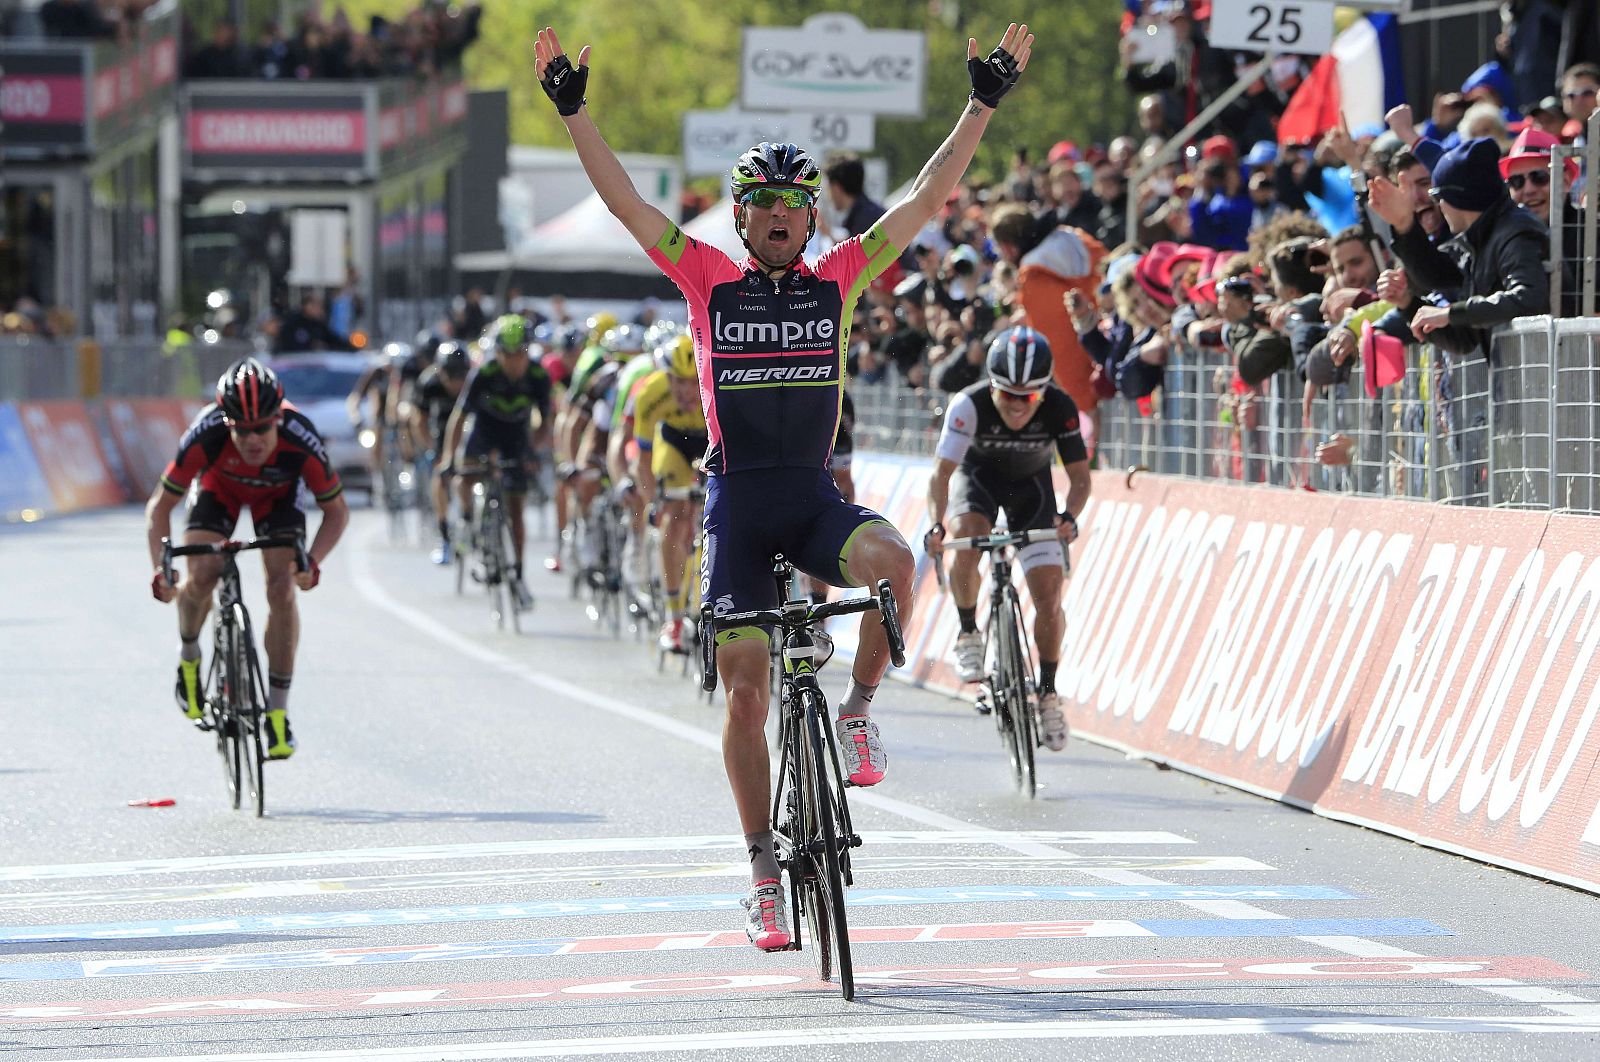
column 1518, row 430
column 37, row 370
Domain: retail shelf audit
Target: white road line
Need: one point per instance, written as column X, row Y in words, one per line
column 367, row 585
column 762, row 1040
column 434, row 853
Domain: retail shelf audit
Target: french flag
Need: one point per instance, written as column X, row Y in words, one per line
column 1360, row 77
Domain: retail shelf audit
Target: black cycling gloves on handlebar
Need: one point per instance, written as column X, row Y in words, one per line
column 993, row 77
column 564, row 84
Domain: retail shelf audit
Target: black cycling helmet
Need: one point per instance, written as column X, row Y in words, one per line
column 427, row 343
column 249, row 393
column 453, row 360
column 1019, row 361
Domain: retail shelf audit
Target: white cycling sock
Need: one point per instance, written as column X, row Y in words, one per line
column 857, row 699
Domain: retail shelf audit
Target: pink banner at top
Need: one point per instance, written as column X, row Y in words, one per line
column 278, row 132
column 52, row 99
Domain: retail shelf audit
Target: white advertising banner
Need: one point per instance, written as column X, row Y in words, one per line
column 833, row 63
column 714, row 140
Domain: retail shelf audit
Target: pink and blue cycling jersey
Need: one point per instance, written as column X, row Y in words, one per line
column 771, row 354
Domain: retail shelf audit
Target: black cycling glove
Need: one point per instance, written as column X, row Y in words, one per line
column 993, row 77
column 564, row 84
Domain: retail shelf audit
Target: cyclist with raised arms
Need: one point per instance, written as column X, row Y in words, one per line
column 250, row 449
column 769, row 335
column 669, row 428
column 500, row 398
column 993, row 455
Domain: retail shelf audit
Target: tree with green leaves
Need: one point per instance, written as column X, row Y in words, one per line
column 661, row 59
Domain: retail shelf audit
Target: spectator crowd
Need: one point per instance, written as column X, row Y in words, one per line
column 1265, row 260
column 431, row 38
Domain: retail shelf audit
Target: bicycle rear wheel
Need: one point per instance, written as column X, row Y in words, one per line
column 826, row 913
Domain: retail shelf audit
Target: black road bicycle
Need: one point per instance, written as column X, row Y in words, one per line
column 1007, row 689
column 492, row 550
column 233, row 696
column 810, row 816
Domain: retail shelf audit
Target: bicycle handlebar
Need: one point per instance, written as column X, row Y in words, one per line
column 996, row 541
column 795, row 614
column 302, row 559
column 799, row 614
column 989, row 543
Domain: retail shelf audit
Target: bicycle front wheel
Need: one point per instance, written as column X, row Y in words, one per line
column 1027, row 739
column 251, row 715
column 825, row 912
column 230, row 694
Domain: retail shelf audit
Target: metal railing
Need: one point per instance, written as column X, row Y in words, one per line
column 1519, row 430
column 37, row 370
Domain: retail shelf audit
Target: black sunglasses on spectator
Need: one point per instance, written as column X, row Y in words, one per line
column 1537, row 178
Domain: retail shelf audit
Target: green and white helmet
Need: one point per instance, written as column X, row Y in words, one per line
column 779, row 165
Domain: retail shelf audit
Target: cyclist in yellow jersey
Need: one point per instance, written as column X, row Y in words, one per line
column 669, row 428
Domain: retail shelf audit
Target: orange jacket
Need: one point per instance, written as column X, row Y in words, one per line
column 1064, row 261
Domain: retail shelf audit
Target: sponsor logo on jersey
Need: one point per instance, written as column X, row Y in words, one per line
column 787, row 333
column 779, row 374
column 308, row 439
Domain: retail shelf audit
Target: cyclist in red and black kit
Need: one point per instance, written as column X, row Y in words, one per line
column 770, row 333
column 250, row 449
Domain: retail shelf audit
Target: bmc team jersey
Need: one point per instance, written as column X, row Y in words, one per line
column 206, row 450
column 771, row 353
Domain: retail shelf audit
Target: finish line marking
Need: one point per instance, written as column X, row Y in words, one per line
column 478, row 951
column 566, row 846
column 459, row 879
column 599, row 906
column 1175, row 973
column 368, row 586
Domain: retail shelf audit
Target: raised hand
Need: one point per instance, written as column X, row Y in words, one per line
column 561, row 81
column 997, row 75
column 1390, row 203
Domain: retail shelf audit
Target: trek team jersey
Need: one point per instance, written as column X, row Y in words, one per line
column 977, row 438
column 206, row 450
column 771, row 353
column 492, row 395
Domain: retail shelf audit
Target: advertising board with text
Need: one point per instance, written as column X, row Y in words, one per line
column 833, row 63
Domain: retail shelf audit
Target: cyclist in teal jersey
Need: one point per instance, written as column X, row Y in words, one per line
column 770, row 333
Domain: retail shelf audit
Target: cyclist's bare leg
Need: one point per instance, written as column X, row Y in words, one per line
column 677, row 537
column 1045, row 583
column 464, row 485
column 879, row 553
column 283, row 614
column 964, row 578
column 198, row 585
column 742, row 666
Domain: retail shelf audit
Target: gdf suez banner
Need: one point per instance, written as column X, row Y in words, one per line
column 1426, row 670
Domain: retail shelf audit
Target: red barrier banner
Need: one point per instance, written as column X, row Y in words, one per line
column 69, row 454
column 1430, row 671
column 146, row 433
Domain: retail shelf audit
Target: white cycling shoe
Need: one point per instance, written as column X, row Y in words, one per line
column 862, row 749
column 1053, row 729
column 969, row 656
column 767, row 920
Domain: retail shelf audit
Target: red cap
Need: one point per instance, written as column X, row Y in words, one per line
column 1063, row 149
column 1219, row 147
column 1535, row 143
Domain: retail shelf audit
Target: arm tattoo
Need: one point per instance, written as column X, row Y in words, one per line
column 934, row 165
column 973, row 109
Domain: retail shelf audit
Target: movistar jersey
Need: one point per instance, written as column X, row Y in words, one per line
column 771, row 353
column 492, row 395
